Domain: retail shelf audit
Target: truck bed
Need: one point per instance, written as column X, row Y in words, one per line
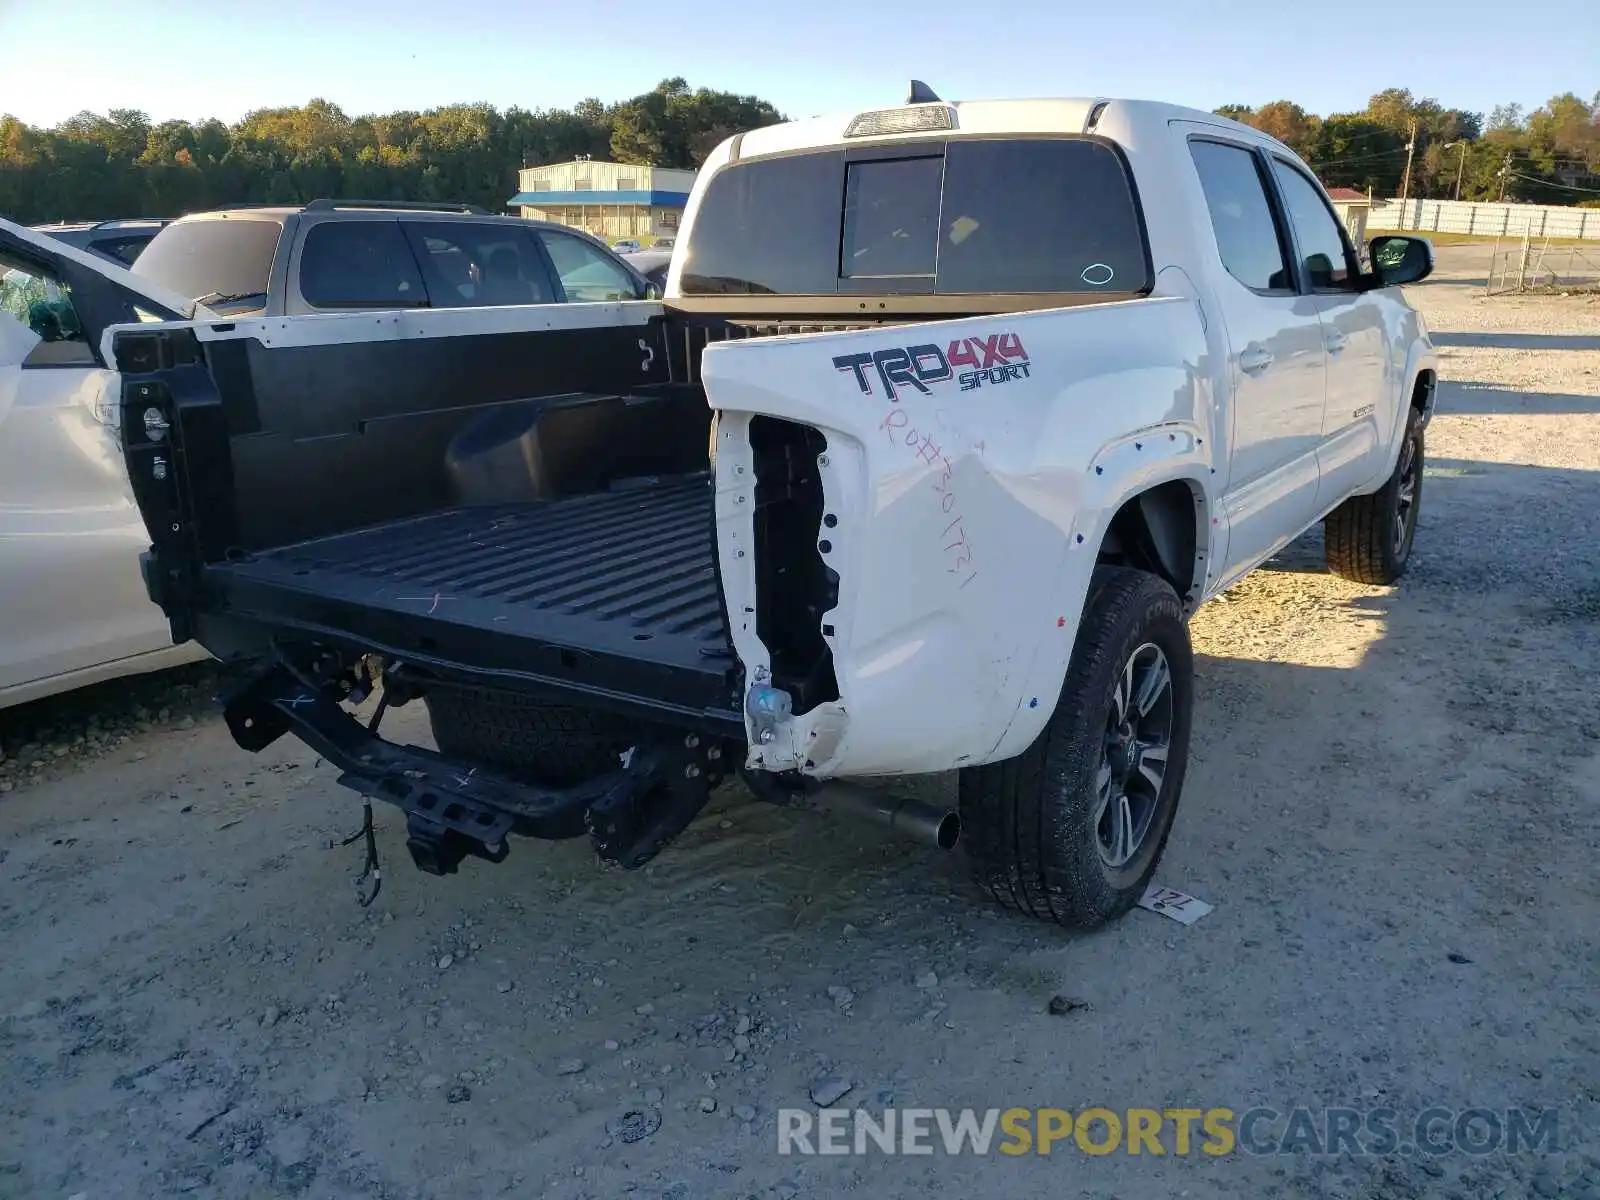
column 615, row 591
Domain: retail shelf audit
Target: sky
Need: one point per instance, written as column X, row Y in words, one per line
column 200, row 58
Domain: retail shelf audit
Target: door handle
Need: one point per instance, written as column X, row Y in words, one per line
column 1335, row 342
column 1255, row 359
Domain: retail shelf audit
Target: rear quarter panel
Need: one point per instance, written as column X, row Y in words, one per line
column 968, row 512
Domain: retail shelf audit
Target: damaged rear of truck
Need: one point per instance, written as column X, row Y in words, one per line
column 909, row 473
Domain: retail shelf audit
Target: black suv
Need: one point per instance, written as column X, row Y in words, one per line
column 121, row 241
column 339, row 255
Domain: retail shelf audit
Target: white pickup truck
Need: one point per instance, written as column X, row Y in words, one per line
column 951, row 416
column 72, row 608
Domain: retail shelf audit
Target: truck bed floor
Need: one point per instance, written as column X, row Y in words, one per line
column 613, row 590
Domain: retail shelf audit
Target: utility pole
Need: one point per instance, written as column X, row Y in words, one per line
column 1505, row 174
column 1461, row 163
column 1411, row 149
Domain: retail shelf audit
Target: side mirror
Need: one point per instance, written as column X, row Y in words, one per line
column 652, row 292
column 1397, row 259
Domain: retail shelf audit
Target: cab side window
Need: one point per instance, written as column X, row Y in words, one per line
column 1328, row 259
column 1241, row 216
column 359, row 264
column 44, row 305
column 468, row 265
column 587, row 274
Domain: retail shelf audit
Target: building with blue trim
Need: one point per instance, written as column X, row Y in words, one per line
column 610, row 200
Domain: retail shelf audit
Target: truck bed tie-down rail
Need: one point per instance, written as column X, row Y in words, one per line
column 455, row 810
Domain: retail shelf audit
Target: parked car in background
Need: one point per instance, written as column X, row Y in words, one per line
column 653, row 261
column 625, row 246
column 121, row 240
column 340, row 255
column 73, row 607
column 652, row 264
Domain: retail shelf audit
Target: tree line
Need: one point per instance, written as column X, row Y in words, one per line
column 120, row 164
column 1548, row 156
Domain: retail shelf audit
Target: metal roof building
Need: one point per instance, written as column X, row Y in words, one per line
column 610, row 200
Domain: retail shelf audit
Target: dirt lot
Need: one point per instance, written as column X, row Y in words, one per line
column 1392, row 803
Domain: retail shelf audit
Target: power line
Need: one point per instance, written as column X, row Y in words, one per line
column 1428, row 135
column 1338, row 162
column 1555, row 155
column 1370, row 135
column 1579, row 164
column 1376, row 133
column 1566, row 187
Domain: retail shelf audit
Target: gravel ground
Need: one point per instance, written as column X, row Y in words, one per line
column 1392, row 804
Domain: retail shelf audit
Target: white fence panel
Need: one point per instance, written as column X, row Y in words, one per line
column 1489, row 220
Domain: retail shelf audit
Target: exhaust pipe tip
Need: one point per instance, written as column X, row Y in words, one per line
column 931, row 823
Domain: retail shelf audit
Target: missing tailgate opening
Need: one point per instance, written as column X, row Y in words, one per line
column 794, row 586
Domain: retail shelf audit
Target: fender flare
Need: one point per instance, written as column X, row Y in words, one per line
column 1040, row 686
column 1420, row 360
column 1123, row 470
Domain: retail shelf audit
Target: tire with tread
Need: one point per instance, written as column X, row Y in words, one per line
column 1029, row 822
column 526, row 737
column 1358, row 536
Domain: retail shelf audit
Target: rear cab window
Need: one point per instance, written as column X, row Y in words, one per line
column 953, row 216
column 891, row 219
column 217, row 258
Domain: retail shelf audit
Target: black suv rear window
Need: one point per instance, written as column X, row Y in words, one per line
column 961, row 216
column 123, row 249
column 230, row 257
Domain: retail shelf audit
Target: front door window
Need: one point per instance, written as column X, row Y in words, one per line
column 45, row 307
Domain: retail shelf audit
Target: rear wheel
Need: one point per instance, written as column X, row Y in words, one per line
column 1368, row 538
column 1072, row 829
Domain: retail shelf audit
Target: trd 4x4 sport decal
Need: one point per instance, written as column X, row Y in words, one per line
column 998, row 358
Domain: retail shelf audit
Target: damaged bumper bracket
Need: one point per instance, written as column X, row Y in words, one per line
column 454, row 810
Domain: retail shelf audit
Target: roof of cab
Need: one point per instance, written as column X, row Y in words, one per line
column 1017, row 116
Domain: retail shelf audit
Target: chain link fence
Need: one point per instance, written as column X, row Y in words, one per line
column 1531, row 264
